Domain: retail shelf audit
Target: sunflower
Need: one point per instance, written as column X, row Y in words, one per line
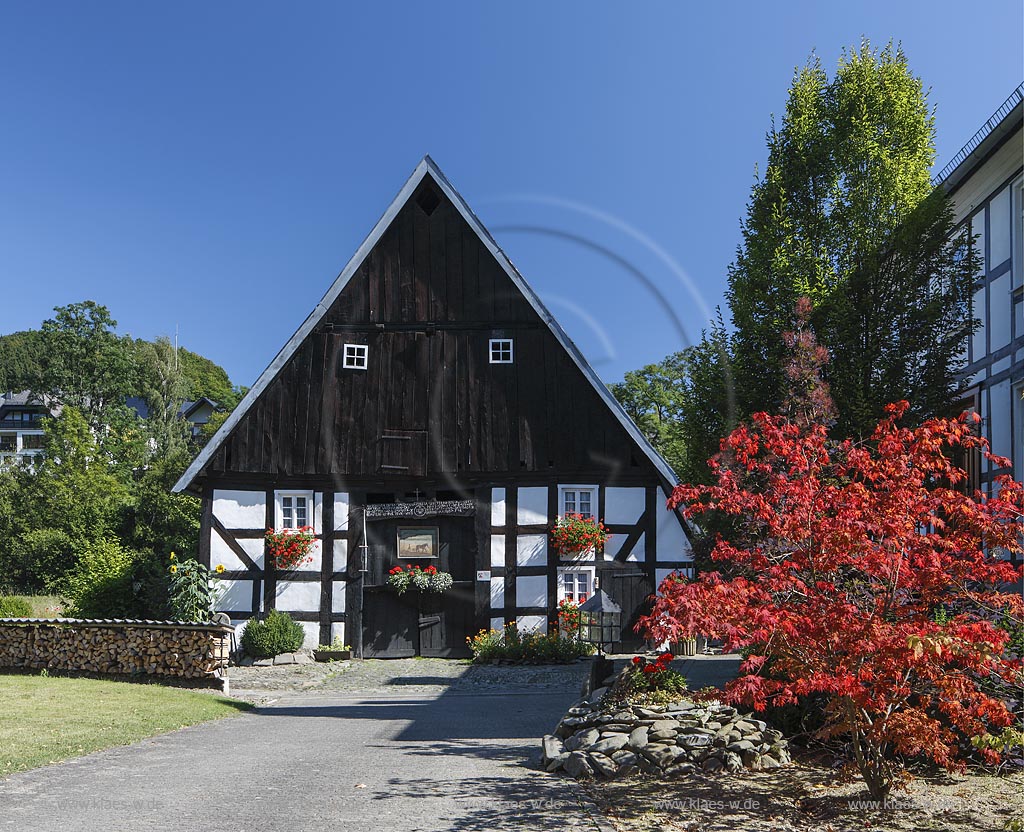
column 219, row 569
column 174, row 568
column 173, row 556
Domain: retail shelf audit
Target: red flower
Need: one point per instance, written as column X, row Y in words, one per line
column 637, row 660
column 665, row 657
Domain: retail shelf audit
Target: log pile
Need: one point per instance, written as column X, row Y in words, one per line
column 120, row 648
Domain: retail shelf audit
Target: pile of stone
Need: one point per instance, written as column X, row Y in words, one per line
column 194, row 652
column 609, row 739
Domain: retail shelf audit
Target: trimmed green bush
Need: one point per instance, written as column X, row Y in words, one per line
column 11, row 607
column 267, row 637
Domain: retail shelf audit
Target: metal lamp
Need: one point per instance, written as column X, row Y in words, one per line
column 600, row 621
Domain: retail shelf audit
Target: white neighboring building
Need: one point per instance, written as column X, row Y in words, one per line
column 21, row 429
column 986, row 182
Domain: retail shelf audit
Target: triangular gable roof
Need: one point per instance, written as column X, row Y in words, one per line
column 426, row 166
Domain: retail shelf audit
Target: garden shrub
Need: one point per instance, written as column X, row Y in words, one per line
column 11, row 607
column 270, row 636
column 646, row 682
column 511, row 645
column 100, row 585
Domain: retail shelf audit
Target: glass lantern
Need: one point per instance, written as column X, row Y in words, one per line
column 600, row 621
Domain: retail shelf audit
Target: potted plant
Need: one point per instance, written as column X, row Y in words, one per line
column 575, row 534
column 336, row 651
column 290, row 548
column 427, row 579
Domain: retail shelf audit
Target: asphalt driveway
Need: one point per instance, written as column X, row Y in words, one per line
column 447, row 757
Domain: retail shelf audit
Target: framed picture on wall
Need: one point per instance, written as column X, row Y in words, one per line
column 417, row 542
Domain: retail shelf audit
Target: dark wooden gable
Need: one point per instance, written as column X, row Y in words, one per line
column 426, row 301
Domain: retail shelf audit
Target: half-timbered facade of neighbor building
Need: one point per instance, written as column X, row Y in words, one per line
column 430, row 410
column 986, row 183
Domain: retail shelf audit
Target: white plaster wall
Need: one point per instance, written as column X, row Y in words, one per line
column 531, row 591
column 235, row 595
column 532, row 550
column 338, row 596
column 338, row 631
column 672, row 542
column 298, row 596
column 318, row 512
column 532, row 506
column 624, row 505
column 240, row 509
column 639, row 553
column 497, row 593
column 312, row 639
column 497, row 506
column 221, row 554
column 532, row 623
column 341, row 511
column 497, row 550
column 341, row 555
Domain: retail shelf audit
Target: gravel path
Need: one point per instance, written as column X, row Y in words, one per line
column 385, row 677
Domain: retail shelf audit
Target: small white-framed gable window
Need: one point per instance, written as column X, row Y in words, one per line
column 576, row 584
column 501, row 350
column 294, row 509
column 578, row 499
column 355, row 357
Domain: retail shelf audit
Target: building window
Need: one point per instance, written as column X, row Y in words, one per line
column 294, row 509
column 32, row 441
column 501, row 350
column 355, row 357
column 8, row 443
column 575, row 585
column 578, row 499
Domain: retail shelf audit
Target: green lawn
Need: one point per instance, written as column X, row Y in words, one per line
column 49, row 719
column 44, row 606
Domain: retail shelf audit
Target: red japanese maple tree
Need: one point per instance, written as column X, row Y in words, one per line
column 849, row 549
column 841, row 556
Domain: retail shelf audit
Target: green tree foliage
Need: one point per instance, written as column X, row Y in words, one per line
column 204, row 378
column 684, row 403
column 846, row 216
column 105, row 474
column 20, row 355
column 87, row 365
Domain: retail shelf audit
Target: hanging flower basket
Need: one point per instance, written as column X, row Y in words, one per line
column 416, row 577
column 574, row 534
column 290, row 548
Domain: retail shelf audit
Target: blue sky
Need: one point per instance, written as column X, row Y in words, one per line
column 212, row 166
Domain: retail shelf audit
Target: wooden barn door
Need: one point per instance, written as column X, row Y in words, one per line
column 631, row 590
column 405, row 374
column 420, row 623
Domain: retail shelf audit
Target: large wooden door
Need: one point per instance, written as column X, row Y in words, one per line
column 631, row 589
column 420, row 623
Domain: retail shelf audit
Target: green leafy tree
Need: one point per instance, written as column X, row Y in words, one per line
column 846, row 215
column 20, row 357
column 684, row 403
column 70, row 498
column 205, row 378
column 164, row 388
column 87, row 365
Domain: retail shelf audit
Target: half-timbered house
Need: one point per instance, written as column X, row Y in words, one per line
column 431, row 410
